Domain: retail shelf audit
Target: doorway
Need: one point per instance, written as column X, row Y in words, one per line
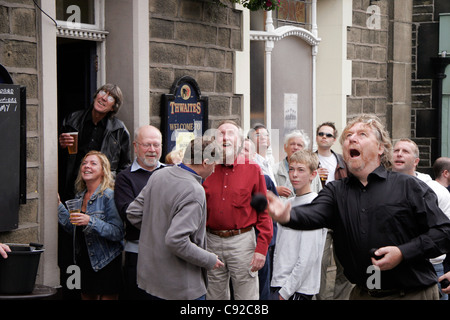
column 77, row 83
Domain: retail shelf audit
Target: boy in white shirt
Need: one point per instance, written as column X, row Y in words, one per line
column 298, row 253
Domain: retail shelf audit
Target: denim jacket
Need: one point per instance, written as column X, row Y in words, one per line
column 104, row 232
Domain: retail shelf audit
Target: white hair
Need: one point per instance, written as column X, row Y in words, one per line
column 297, row 134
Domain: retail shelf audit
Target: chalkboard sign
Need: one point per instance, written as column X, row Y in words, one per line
column 13, row 154
column 184, row 114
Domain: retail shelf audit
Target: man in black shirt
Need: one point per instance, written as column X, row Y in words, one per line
column 374, row 208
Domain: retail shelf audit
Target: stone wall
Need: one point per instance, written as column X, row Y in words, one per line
column 19, row 55
column 381, row 60
column 422, row 85
column 196, row 38
column 368, row 50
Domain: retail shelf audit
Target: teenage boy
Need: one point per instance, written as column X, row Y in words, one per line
column 298, row 253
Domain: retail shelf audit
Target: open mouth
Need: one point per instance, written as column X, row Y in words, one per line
column 354, row 153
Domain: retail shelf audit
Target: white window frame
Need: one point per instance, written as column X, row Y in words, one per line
column 270, row 36
column 90, row 32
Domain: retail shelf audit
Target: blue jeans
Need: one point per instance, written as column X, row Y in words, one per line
column 439, row 268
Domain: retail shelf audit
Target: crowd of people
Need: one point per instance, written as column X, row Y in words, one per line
column 186, row 229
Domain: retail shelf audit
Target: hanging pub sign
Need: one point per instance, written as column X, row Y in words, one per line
column 184, row 114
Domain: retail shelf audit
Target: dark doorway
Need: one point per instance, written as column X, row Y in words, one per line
column 77, row 75
column 77, row 82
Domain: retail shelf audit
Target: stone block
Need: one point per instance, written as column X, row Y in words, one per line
column 224, row 37
column 165, row 8
column 195, row 33
column 23, row 22
column 219, row 106
column 168, row 53
column 205, row 81
column 224, row 82
column 162, row 29
column 4, row 20
column 161, row 78
column 19, row 54
column 215, row 59
column 191, row 10
column 196, row 56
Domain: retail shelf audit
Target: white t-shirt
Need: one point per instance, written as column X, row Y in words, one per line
column 443, row 202
column 298, row 255
column 330, row 163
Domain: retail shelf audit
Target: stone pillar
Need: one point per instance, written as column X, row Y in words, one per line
column 399, row 68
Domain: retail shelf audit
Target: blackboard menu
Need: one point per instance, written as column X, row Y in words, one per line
column 12, row 159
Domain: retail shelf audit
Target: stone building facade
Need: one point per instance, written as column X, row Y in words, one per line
column 19, row 54
column 145, row 45
column 197, row 39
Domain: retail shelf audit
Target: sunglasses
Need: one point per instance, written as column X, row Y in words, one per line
column 328, row 135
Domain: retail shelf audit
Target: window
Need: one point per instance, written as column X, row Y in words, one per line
column 80, row 14
column 294, row 12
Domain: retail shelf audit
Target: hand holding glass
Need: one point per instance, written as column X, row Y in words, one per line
column 74, row 206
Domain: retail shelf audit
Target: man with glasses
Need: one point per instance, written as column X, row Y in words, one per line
column 331, row 163
column 98, row 129
column 129, row 183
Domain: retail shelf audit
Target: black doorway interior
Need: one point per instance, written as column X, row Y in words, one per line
column 77, row 80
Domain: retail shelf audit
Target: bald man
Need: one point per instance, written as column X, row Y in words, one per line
column 129, row 183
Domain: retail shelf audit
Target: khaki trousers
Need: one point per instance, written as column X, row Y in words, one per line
column 236, row 253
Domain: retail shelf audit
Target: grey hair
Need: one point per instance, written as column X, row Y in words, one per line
column 297, row 134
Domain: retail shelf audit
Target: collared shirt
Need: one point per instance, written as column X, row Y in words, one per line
column 128, row 185
column 136, row 166
column 266, row 167
column 393, row 209
column 229, row 191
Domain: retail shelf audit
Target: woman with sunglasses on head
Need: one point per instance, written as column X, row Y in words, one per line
column 98, row 129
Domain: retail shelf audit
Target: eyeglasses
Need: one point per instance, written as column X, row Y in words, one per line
column 328, row 135
column 148, row 145
column 110, row 98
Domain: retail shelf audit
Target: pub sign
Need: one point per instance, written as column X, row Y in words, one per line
column 184, row 114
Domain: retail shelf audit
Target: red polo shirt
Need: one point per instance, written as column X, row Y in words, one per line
column 229, row 191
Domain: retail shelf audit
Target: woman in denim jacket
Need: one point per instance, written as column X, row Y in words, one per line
column 98, row 230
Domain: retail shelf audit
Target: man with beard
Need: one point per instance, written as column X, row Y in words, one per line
column 373, row 208
column 129, row 183
column 231, row 220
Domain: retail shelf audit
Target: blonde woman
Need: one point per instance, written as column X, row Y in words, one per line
column 98, row 230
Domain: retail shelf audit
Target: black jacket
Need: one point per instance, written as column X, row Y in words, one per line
column 115, row 145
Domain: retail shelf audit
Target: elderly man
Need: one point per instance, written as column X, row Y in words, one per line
column 293, row 141
column 394, row 213
column 171, row 213
column 231, row 220
column 129, row 183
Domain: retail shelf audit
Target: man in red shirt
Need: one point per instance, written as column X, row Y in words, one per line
column 231, row 220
